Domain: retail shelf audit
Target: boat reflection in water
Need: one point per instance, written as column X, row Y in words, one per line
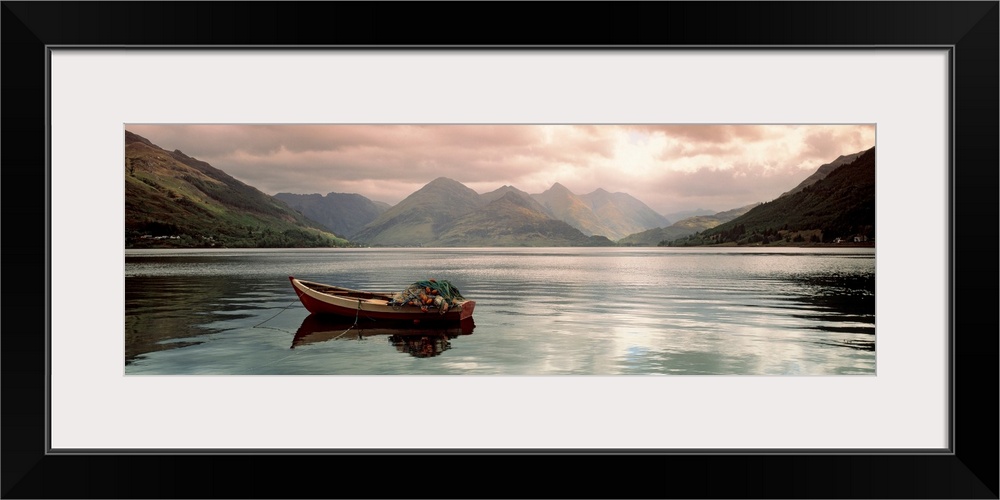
column 418, row 340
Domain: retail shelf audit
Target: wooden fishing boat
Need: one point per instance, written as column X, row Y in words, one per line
column 319, row 298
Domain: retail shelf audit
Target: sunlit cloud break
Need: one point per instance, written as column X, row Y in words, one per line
column 669, row 167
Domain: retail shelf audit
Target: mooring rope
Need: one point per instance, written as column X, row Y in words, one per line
column 272, row 362
column 357, row 316
column 258, row 325
column 276, row 315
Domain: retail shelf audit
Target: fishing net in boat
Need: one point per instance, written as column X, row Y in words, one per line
column 428, row 294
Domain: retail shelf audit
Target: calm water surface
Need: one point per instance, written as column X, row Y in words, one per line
column 555, row 311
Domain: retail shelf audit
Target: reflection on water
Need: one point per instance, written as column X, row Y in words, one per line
column 425, row 346
column 162, row 311
column 575, row 311
column 841, row 306
column 421, row 341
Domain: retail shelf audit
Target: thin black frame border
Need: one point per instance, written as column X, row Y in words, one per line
column 968, row 470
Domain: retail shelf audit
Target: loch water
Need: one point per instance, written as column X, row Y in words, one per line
column 539, row 311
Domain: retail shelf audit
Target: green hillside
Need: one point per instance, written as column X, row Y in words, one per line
column 341, row 213
column 823, row 171
column 423, row 216
column 562, row 204
column 840, row 206
column 173, row 200
column 512, row 220
column 499, row 193
column 684, row 227
column 622, row 214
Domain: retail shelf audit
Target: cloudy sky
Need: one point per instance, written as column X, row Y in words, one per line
column 669, row 167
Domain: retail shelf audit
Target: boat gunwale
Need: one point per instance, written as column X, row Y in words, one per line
column 324, row 289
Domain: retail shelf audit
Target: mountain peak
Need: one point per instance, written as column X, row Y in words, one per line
column 132, row 137
column 443, row 181
column 444, row 184
column 449, row 188
column 512, row 197
column 558, row 189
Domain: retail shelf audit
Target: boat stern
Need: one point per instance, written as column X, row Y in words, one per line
column 467, row 308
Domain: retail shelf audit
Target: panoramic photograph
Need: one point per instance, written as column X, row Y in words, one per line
column 517, row 250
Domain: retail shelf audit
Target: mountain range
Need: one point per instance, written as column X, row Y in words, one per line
column 614, row 215
column 175, row 200
column 447, row 213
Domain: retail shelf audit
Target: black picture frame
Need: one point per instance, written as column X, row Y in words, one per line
column 968, row 470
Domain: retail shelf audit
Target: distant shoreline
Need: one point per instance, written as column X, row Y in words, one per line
column 723, row 245
column 863, row 244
